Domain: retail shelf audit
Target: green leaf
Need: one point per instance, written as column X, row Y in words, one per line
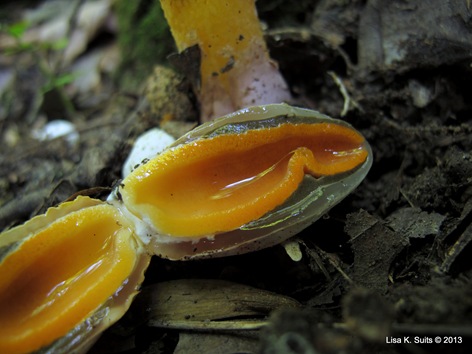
column 58, row 81
column 59, row 44
column 18, row 29
column 64, row 80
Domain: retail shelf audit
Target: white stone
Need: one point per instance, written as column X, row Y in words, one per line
column 55, row 129
column 148, row 145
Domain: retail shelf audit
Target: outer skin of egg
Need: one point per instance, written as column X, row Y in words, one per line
column 251, row 170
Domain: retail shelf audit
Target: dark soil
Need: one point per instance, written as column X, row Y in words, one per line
column 391, row 261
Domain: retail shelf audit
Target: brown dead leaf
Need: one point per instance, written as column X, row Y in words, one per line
column 375, row 245
column 413, row 34
column 460, row 235
column 208, row 304
column 414, row 223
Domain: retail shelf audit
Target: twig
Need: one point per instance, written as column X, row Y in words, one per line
column 344, row 93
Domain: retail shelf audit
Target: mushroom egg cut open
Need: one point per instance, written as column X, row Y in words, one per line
column 237, row 184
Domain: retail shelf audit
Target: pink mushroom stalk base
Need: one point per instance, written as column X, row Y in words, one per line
column 236, row 70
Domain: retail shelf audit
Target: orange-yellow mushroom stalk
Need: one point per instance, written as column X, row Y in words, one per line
column 236, row 70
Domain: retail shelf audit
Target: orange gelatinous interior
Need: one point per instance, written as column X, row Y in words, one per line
column 218, row 184
column 56, row 278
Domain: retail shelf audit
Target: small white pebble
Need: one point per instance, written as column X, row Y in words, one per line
column 55, row 129
column 421, row 94
column 292, row 247
column 148, row 145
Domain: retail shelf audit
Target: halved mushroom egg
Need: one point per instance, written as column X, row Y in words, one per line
column 244, row 182
column 238, row 184
column 66, row 276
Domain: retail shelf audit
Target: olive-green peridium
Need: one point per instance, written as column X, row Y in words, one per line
column 240, row 183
